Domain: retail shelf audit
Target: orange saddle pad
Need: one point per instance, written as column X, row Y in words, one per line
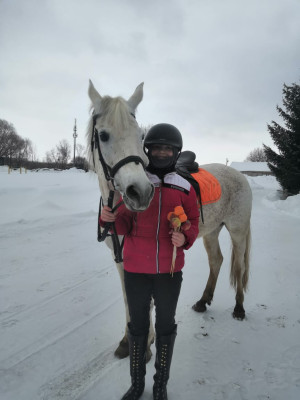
column 209, row 185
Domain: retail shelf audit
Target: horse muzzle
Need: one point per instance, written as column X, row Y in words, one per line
column 137, row 198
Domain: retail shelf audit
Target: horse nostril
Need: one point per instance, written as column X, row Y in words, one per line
column 132, row 192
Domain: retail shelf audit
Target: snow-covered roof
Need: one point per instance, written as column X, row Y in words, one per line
column 250, row 166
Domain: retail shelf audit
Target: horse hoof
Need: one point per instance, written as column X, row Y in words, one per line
column 199, row 306
column 239, row 317
column 239, row 313
column 122, row 350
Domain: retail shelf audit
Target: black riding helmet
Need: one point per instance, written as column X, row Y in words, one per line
column 163, row 134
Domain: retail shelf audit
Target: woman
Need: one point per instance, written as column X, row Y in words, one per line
column 148, row 251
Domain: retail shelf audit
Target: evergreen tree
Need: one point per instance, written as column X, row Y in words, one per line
column 286, row 163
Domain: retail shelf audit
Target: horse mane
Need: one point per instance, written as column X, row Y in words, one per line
column 115, row 113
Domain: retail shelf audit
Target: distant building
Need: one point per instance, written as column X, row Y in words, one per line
column 252, row 168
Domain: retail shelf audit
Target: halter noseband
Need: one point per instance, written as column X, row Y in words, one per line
column 110, row 172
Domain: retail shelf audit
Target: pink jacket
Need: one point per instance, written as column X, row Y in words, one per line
column 147, row 245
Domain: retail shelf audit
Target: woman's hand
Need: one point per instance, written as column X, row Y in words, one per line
column 178, row 238
column 107, row 215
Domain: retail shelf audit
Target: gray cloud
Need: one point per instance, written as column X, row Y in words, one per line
column 215, row 69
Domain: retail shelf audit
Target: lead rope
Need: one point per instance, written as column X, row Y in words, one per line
column 110, row 226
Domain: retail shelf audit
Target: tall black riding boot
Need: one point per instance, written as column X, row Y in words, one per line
column 137, row 354
column 164, row 352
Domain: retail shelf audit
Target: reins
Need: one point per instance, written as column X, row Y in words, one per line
column 110, row 226
column 109, row 173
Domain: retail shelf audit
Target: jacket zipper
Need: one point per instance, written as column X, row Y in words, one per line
column 157, row 231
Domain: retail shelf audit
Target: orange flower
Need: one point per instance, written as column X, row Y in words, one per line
column 178, row 221
column 171, row 215
column 178, row 210
column 177, row 217
column 182, row 217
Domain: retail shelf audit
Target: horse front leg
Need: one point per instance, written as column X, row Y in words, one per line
column 122, row 350
column 215, row 259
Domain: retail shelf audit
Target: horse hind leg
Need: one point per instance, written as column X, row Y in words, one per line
column 240, row 269
column 215, row 259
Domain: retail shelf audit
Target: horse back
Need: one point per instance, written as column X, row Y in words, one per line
column 235, row 203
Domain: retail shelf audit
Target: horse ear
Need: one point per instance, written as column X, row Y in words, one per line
column 137, row 97
column 94, row 95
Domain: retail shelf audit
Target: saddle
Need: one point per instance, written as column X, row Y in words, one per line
column 206, row 185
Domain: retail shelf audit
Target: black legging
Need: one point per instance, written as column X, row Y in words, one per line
column 164, row 288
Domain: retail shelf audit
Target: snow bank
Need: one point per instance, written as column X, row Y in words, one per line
column 272, row 198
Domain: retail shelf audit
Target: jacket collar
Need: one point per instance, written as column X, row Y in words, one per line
column 156, row 180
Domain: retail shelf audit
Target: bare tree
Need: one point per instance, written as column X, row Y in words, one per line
column 59, row 155
column 63, row 151
column 256, row 155
column 26, row 152
column 80, row 150
column 15, row 150
column 10, row 142
column 51, row 156
column 31, row 151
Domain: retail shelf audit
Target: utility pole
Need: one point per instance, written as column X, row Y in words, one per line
column 74, row 136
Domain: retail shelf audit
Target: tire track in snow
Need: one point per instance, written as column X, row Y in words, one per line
column 51, row 339
column 74, row 384
column 6, row 320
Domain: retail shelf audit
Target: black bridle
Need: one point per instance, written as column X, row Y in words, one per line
column 109, row 173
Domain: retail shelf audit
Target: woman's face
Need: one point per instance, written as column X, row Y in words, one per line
column 161, row 156
column 161, row 151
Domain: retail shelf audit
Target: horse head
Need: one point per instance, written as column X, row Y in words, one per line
column 115, row 148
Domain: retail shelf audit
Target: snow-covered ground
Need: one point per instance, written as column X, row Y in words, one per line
column 61, row 310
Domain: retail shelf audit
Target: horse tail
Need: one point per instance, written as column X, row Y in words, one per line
column 233, row 274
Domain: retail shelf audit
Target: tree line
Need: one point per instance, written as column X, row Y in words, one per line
column 16, row 152
column 13, row 146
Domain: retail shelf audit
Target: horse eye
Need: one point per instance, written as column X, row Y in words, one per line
column 104, row 136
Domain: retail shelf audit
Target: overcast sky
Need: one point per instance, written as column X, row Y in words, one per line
column 213, row 68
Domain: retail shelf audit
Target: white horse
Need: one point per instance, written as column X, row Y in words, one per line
column 115, row 151
column 113, row 137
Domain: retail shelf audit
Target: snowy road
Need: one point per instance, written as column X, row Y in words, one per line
column 61, row 311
